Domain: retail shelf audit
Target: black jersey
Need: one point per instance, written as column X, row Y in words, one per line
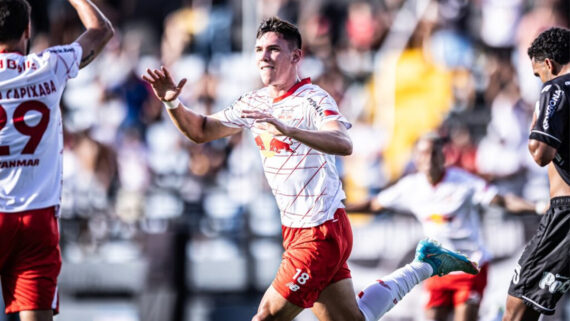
column 553, row 122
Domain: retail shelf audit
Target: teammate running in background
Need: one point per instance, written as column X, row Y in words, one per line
column 298, row 128
column 542, row 274
column 31, row 147
column 445, row 200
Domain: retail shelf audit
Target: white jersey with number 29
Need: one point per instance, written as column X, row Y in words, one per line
column 31, row 135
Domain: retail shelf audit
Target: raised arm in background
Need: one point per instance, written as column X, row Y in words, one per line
column 99, row 30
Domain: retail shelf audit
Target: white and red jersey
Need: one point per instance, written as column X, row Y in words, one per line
column 446, row 210
column 31, row 139
column 305, row 181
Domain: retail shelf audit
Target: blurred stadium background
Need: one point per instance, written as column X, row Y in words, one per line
column 155, row 227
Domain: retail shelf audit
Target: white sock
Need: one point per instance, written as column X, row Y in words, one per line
column 379, row 297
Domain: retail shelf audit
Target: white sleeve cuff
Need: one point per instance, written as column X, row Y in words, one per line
column 173, row 104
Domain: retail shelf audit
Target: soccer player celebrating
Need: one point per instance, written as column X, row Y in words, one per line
column 542, row 274
column 298, row 128
column 445, row 200
column 31, row 147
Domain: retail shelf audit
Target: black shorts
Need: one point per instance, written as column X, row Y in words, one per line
column 542, row 275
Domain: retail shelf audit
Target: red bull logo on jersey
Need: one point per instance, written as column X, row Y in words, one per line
column 269, row 145
column 275, row 145
column 439, row 218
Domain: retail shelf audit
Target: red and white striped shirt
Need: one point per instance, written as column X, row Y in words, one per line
column 446, row 210
column 305, row 181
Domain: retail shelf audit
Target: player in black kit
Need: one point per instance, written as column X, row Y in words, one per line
column 542, row 274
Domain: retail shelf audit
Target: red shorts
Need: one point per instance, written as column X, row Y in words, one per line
column 30, row 260
column 314, row 258
column 455, row 289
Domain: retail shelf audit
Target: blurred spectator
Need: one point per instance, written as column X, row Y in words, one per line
column 203, row 27
column 461, row 150
column 500, row 156
column 543, row 15
column 363, row 32
column 422, row 95
column 504, row 13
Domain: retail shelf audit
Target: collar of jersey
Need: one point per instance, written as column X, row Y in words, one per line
column 292, row 90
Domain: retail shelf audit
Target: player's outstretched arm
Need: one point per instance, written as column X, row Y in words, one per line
column 359, row 207
column 516, row 204
column 331, row 138
column 371, row 206
column 197, row 127
column 99, row 30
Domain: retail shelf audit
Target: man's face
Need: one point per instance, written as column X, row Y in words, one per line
column 541, row 70
column 275, row 59
column 428, row 157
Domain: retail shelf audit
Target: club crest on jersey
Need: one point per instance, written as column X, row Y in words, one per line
column 269, row 145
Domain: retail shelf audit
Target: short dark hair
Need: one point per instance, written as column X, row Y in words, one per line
column 14, row 19
column 288, row 30
column 553, row 44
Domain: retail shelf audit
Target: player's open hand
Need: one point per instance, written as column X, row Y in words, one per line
column 267, row 122
column 162, row 84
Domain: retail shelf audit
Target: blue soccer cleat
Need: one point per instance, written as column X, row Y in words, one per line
column 442, row 260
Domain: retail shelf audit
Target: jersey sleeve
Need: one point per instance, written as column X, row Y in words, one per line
column 394, row 197
column 483, row 192
column 231, row 115
column 325, row 109
column 551, row 116
column 65, row 60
